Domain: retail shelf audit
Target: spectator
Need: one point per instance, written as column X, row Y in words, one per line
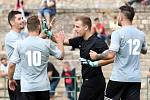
column 131, row 2
column 19, row 6
column 47, row 10
column 145, row 2
column 99, row 29
column 113, row 25
column 52, row 72
column 69, row 82
column 3, row 67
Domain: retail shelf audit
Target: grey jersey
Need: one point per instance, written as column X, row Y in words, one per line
column 127, row 42
column 10, row 41
column 33, row 53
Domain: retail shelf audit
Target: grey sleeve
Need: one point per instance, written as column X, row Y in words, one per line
column 115, row 41
column 15, row 58
column 53, row 50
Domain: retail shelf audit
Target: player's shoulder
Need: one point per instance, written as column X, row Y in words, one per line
column 118, row 31
column 141, row 32
column 10, row 36
column 24, row 33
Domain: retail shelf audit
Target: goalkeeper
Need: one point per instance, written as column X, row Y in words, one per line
column 93, row 86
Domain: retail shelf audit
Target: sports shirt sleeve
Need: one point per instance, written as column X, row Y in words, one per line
column 15, row 58
column 115, row 41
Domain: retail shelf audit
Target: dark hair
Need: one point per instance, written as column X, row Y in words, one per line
column 11, row 15
column 85, row 20
column 96, row 19
column 128, row 11
column 33, row 23
column 3, row 58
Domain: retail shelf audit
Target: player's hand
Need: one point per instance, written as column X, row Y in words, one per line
column 88, row 62
column 93, row 55
column 59, row 37
column 12, row 85
column 45, row 28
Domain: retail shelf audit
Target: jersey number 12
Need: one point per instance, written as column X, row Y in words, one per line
column 134, row 45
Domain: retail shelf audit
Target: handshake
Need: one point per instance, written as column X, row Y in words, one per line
column 45, row 28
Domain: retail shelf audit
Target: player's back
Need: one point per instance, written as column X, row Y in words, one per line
column 34, row 57
column 127, row 62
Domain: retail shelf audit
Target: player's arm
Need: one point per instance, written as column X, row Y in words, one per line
column 111, row 53
column 12, row 82
column 11, row 70
column 58, row 51
column 105, row 62
column 60, row 45
column 66, row 42
column 106, row 55
column 96, row 63
column 14, row 59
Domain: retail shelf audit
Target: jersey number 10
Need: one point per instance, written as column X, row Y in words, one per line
column 34, row 58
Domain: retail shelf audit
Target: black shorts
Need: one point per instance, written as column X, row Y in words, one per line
column 15, row 95
column 37, row 95
column 124, row 90
column 93, row 89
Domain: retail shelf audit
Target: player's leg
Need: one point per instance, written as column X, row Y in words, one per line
column 93, row 89
column 132, row 92
column 85, row 93
column 114, row 90
column 88, row 93
column 28, row 96
column 18, row 94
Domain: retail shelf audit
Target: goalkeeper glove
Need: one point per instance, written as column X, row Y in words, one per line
column 45, row 28
column 88, row 62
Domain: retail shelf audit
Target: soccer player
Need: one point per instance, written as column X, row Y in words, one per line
column 17, row 25
column 93, row 80
column 126, row 45
column 33, row 55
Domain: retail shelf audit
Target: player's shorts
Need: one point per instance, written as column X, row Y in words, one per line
column 93, row 89
column 124, row 90
column 37, row 95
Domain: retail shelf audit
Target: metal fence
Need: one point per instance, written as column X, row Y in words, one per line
column 145, row 92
